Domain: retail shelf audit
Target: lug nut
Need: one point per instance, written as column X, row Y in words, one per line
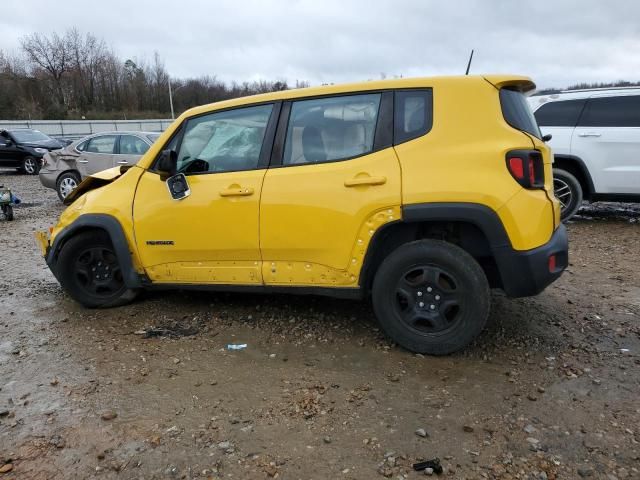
column 429, row 289
column 437, row 296
column 432, row 307
column 421, row 304
column 419, row 294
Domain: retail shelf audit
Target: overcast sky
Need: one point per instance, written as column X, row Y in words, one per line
column 557, row 43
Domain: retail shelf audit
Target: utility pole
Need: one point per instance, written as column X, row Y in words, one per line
column 173, row 117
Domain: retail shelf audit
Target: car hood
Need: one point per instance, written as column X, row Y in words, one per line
column 48, row 144
column 97, row 180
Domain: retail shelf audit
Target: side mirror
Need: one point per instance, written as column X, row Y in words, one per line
column 168, row 163
column 547, row 137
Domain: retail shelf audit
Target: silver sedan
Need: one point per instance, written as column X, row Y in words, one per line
column 64, row 169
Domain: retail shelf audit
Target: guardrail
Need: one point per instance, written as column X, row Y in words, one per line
column 74, row 129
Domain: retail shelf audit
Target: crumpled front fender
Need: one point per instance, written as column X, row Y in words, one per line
column 97, row 180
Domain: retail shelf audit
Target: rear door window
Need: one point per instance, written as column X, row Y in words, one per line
column 623, row 111
column 413, row 114
column 517, row 113
column 564, row 113
column 331, row 129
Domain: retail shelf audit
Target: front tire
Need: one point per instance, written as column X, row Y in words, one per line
column 568, row 191
column 89, row 271
column 30, row 166
column 66, row 183
column 431, row 296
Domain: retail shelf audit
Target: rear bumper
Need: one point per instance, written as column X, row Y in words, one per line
column 527, row 273
column 48, row 178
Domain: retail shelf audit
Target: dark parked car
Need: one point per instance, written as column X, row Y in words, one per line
column 23, row 149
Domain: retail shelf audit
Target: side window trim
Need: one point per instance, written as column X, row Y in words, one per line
column 265, row 149
column 277, row 151
column 383, row 137
column 269, row 136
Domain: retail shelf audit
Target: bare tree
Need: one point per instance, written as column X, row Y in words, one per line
column 76, row 74
column 51, row 54
column 87, row 54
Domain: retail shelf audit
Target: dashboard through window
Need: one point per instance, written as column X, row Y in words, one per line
column 330, row 129
column 224, row 141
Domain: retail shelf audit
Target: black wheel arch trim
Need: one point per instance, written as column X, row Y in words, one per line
column 522, row 273
column 116, row 233
column 481, row 216
column 583, row 169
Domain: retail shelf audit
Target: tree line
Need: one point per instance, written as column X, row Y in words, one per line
column 77, row 75
column 585, row 85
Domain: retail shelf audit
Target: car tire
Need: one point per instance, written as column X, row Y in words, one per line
column 30, row 166
column 66, row 183
column 83, row 259
column 568, row 191
column 431, row 296
column 7, row 211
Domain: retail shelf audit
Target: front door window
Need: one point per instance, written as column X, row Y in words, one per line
column 224, row 141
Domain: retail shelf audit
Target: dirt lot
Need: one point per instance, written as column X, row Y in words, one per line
column 550, row 390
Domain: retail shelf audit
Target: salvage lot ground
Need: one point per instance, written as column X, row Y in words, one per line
column 550, row 390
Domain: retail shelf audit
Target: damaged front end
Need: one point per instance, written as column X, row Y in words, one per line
column 94, row 181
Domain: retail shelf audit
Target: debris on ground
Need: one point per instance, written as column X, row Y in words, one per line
column 433, row 465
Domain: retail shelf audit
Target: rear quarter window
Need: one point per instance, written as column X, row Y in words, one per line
column 564, row 113
column 413, row 115
column 517, row 113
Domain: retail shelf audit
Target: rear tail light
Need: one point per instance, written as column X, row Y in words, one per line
column 552, row 263
column 526, row 167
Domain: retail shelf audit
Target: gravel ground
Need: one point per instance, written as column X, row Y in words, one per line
column 550, row 389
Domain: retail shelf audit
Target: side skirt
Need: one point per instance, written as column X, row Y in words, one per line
column 345, row 293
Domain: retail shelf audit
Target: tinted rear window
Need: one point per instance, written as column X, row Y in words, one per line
column 559, row 114
column 623, row 111
column 517, row 113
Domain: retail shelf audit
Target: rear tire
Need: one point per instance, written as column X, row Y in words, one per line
column 30, row 166
column 66, row 183
column 431, row 296
column 568, row 191
column 89, row 271
column 7, row 211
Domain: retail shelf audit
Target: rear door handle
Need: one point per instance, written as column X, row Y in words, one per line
column 122, row 162
column 360, row 181
column 589, row 134
column 236, row 192
column 83, row 161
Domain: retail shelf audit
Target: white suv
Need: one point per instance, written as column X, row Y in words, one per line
column 596, row 142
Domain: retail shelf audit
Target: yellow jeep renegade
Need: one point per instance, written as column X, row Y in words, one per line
column 421, row 194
